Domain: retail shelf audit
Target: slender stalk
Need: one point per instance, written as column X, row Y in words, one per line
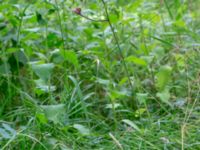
column 92, row 19
column 118, row 46
column 19, row 33
column 60, row 24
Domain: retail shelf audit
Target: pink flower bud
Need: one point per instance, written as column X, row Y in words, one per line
column 77, row 11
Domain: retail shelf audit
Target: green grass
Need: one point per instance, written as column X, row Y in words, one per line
column 116, row 75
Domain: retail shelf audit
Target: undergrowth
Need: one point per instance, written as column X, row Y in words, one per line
column 99, row 74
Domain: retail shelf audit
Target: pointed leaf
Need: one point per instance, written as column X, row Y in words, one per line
column 82, row 129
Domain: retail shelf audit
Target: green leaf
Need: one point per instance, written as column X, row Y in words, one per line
column 54, row 113
column 4, row 134
column 5, row 68
column 114, row 18
column 40, row 19
column 137, row 61
column 82, row 129
column 43, row 71
column 142, row 97
column 103, row 81
column 163, row 77
column 164, row 96
column 111, row 106
column 71, row 57
column 42, row 118
column 139, row 112
column 131, row 124
column 8, row 128
column 42, row 86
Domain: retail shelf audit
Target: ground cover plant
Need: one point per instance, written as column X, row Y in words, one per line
column 99, row 74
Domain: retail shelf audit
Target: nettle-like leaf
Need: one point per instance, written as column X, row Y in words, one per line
column 163, row 77
column 43, row 71
column 54, row 113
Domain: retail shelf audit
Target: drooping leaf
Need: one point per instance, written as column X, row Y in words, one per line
column 131, row 124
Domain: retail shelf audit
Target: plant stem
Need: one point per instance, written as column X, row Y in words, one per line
column 118, row 46
column 93, row 19
column 60, row 24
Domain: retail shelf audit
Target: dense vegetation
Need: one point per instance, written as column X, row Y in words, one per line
column 99, row 74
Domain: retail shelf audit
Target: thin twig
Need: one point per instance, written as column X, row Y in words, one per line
column 92, row 19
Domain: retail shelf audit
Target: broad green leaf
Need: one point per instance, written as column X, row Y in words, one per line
column 43, row 71
column 137, row 61
column 163, row 77
column 131, row 124
column 82, row 129
column 71, row 57
column 164, row 96
column 54, row 113
column 56, row 56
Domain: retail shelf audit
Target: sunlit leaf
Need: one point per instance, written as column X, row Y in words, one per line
column 82, row 129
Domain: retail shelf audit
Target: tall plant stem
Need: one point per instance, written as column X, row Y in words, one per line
column 118, row 45
column 60, row 24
